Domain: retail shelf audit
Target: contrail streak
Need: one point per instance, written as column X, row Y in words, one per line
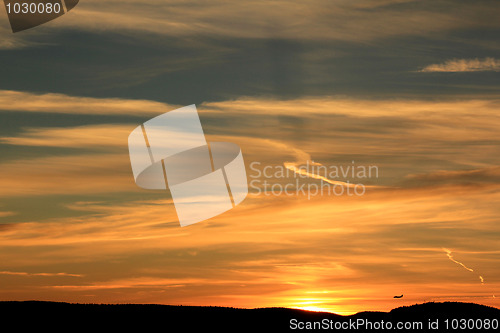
column 294, row 168
column 448, row 253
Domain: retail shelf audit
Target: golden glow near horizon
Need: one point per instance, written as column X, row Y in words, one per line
column 321, row 253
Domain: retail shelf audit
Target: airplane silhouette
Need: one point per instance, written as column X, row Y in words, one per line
column 398, row 296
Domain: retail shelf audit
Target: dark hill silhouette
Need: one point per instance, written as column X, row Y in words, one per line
column 67, row 317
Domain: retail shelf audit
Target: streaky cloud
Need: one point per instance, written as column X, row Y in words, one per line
column 11, row 100
column 465, row 65
column 39, row 274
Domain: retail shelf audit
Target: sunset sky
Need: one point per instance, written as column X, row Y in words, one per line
column 410, row 87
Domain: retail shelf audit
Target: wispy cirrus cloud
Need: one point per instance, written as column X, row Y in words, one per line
column 59, row 103
column 473, row 176
column 316, row 19
column 267, row 246
column 91, row 136
column 39, row 274
column 11, row 100
column 10, row 41
column 273, row 250
column 267, row 130
column 465, row 65
column 72, row 174
column 4, row 214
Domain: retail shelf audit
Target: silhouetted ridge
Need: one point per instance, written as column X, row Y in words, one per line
column 58, row 316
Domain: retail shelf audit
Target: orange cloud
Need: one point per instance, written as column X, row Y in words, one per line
column 89, row 137
column 60, row 103
column 39, row 274
column 337, row 20
column 329, row 252
column 465, row 65
column 332, row 252
column 79, row 174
